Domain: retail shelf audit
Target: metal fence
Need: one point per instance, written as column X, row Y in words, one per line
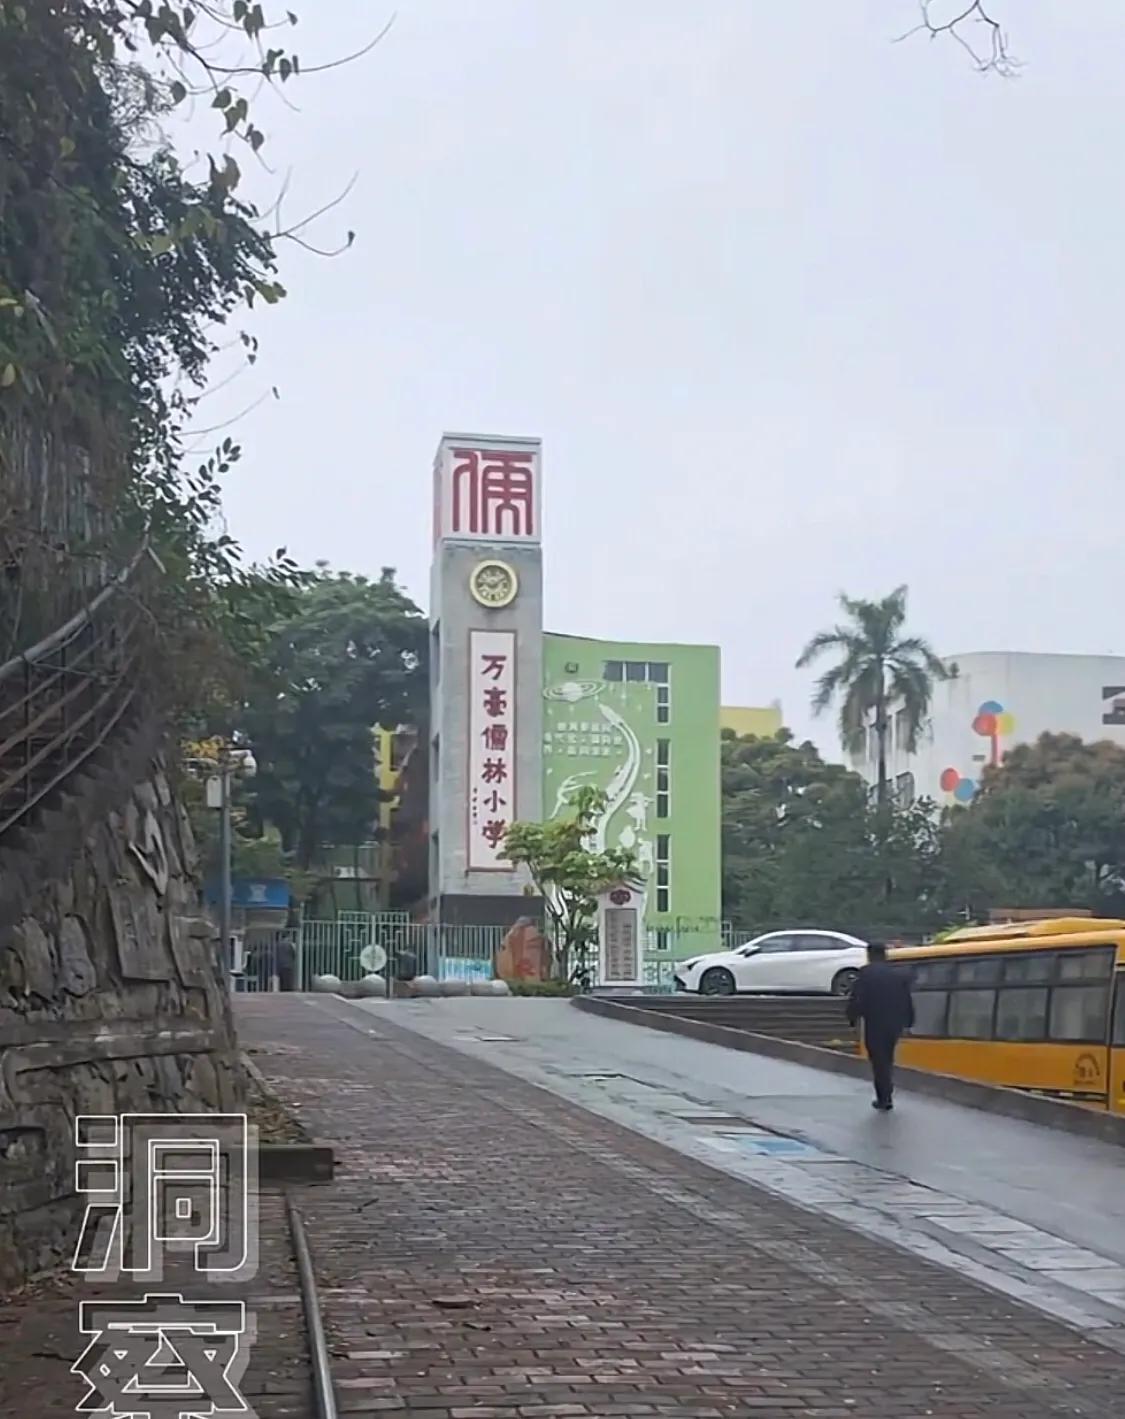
column 60, row 699
column 391, row 944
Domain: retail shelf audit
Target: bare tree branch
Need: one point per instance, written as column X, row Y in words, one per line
column 976, row 30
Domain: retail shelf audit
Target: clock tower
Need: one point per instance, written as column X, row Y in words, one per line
column 486, row 673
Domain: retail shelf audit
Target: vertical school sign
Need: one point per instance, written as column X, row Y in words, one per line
column 492, row 748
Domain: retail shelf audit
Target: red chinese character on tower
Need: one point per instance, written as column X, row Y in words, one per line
column 494, row 771
column 493, row 493
column 493, row 665
column 493, row 831
column 495, row 702
column 506, row 495
column 495, row 737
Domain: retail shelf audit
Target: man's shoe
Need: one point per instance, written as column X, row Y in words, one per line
column 881, row 1106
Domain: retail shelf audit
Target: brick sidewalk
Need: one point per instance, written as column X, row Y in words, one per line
column 489, row 1250
column 39, row 1337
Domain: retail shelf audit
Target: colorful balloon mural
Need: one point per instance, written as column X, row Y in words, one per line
column 992, row 722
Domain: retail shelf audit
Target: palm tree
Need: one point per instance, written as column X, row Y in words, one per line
column 878, row 667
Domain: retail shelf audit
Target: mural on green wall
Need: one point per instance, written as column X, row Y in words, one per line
column 601, row 734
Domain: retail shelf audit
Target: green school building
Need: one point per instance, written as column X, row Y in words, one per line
column 641, row 722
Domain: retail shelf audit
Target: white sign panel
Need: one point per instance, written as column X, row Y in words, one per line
column 492, row 747
column 619, row 938
column 486, row 491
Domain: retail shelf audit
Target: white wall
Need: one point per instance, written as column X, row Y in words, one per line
column 1041, row 693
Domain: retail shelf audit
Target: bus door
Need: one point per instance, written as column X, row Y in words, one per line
column 1117, row 1046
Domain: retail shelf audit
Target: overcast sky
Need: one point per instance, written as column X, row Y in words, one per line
column 794, row 309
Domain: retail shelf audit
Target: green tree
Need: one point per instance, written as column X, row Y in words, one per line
column 792, row 827
column 350, row 656
column 1047, row 829
column 569, row 877
column 803, row 844
column 121, row 272
column 878, row 669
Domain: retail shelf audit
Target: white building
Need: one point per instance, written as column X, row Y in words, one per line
column 995, row 701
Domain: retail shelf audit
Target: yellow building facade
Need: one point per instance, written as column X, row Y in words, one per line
column 761, row 721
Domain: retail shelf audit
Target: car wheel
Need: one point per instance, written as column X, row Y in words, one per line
column 717, row 981
column 843, row 982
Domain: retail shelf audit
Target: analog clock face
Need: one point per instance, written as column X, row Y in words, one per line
column 494, row 584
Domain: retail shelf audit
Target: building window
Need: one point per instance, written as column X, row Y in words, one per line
column 645, row 672
column 663, row 873
column 663, row 704
column 902, row 732
column 663, row 777
column 435, row 652
column 904, row 790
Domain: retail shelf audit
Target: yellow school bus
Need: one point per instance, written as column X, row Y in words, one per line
column 1030, row 1005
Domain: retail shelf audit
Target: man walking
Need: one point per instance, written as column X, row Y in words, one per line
column 881, row 999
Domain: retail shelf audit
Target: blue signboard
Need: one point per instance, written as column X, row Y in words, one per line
column 253, row 893
column 464, row 968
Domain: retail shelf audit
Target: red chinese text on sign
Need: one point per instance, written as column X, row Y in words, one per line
column 492, row 746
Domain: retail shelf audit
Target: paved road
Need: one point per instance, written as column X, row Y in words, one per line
column 490, row 1251
column 1037, row 1213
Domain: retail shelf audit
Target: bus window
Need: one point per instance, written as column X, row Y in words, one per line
column 1030, row 970
column 1021, row 1013
column 927, row 974
column 929, row 1012
column 970, row 1014
column 978, row 970
column 1078, row 1012
column 1085, row 965
column 1119, row 1011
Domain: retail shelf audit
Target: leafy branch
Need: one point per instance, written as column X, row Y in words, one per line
column 119, row 276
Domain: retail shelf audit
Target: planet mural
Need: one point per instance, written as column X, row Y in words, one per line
column 572, row 691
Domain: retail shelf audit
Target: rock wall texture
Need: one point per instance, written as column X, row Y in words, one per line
column 112, row 997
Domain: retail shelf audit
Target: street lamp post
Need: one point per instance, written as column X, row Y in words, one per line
column 224, row 858
column 221, row 768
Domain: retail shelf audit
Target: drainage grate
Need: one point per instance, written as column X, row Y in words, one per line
column 714, row 1120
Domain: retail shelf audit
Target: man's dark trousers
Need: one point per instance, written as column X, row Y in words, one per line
column 881, row 1052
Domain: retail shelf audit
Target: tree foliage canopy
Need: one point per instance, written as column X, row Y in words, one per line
column 802, row 844
column 121, row 269
column 1047, row 829
column 351, row 655
column 878, row 667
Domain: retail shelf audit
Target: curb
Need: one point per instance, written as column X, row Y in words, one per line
column 290, row 1162
column 988, row 1098
column 295, row 1162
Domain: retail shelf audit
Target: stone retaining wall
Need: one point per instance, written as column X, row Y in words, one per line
column 112, row 996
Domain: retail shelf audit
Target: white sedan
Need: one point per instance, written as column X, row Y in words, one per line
column 809, row 962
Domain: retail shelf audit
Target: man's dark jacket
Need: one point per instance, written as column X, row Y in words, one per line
column 881, row 999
